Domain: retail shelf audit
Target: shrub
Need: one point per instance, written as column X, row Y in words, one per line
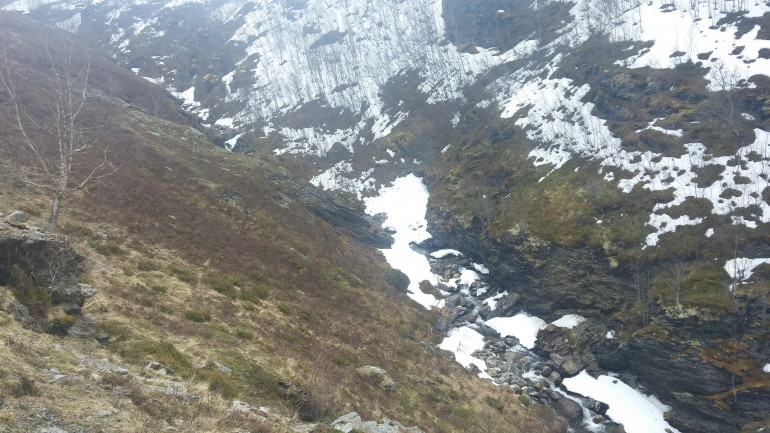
column 397, row 279
column 197, row 316
column 23, row 387
column 158, row 288
column 109, row 247
column 495, row 403
column 244, row 335
column 225, row 284
column 255, row 294
column 26, row 291
column 523, row 399
column 222, row 385
column 183, row 275
column 283, row 308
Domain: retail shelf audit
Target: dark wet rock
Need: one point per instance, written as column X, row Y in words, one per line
column 340, row 210
column 611, row 357
column 667, row 368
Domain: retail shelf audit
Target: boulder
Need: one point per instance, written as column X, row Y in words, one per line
column 348, row 422
column 16, row 217
column 379, row 377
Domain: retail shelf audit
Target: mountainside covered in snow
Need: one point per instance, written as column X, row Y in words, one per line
column 604, row 158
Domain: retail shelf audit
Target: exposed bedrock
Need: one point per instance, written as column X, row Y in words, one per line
column 705, row 363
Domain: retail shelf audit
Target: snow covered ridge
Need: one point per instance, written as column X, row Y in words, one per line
column 338, row 53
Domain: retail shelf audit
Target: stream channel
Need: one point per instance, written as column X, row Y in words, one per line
column 499, row 349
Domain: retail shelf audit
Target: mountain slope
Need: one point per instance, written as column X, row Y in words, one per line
column 602, row 158
column 201, row 256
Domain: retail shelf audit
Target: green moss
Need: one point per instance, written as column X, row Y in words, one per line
column 196, row 316
column 26, row 291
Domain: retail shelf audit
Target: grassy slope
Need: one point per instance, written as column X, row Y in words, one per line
column 283, row 294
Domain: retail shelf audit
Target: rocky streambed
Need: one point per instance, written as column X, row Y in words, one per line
column 489, row 333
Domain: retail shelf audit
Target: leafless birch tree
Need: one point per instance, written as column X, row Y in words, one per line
column 52, row 147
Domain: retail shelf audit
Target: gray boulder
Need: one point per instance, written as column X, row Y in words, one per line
column 16, row 217
column 379, row 377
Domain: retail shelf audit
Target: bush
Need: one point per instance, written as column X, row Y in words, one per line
column 244, row 335
column 183, row 275
column 26, row 291
column 158, row 288
column 255, row 294
column 109, row 247
column 25, row 386
column 283, row 308
column 495, row 403
column 222, row 385
column 225, row 284
column 197, row 316
column 397, row 279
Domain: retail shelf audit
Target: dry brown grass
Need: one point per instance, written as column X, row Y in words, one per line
column 167, row 236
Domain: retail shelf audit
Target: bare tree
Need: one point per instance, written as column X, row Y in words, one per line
column 673, row 279
column 59, row 138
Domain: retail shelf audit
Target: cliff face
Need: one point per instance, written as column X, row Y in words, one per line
column 705, row 361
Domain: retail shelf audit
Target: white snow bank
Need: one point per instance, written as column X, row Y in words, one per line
column 481, row 268
column 569, row 321
column 766, row 368
column 463, row 342
column 405, row 203
column 637, row 412
column 742, row 268
column 522, row 326
column 440, row 254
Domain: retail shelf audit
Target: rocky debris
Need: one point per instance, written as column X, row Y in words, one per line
column 86, row 327
column 352, row 421
column 213, row 365
column 173, row 392
column 160, row 368
column 379, row 377
column 101, row 365
column 240, row 406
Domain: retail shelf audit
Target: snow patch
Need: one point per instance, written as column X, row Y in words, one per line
column 637, row 412
column 522, row 326
column 569, row 321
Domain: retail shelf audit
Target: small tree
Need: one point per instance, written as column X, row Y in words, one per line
column 673, row 279
column 57, row 138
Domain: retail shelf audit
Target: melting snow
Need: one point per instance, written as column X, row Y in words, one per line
column 522, row 326
column 637, row 412
column 463, row 342
column 405, row 203
column 440, row 254
column 742, row 268
column 569, row 321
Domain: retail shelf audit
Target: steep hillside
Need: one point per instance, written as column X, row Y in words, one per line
column 239, row 281
column 602, row 158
